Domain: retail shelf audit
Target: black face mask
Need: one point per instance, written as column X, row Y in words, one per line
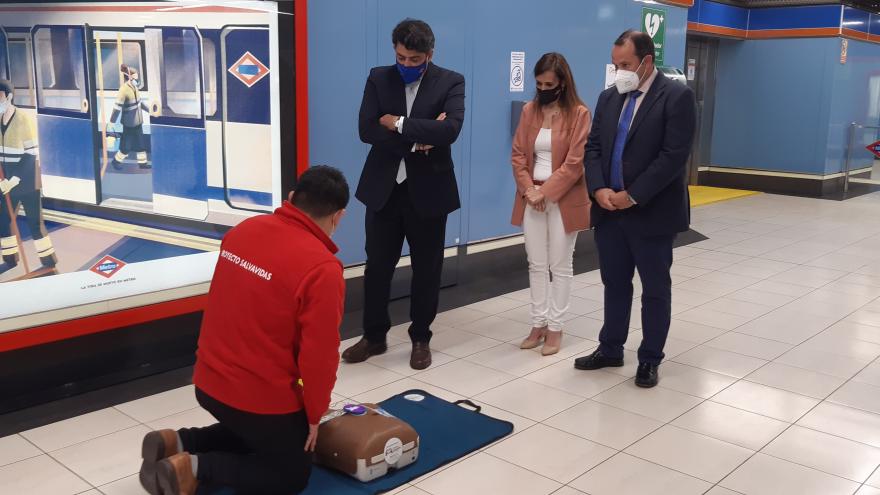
column 548, row 96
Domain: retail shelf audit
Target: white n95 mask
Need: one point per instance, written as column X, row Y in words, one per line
column 627, row 80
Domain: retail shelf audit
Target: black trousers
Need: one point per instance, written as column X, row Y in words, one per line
column 32, row 202
column 386, row 229
column 621, row 252
column 252, row 453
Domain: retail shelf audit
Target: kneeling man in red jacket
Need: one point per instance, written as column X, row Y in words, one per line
column 268, row 352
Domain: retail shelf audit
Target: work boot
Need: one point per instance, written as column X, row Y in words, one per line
column 157, row 445
column 175, row 477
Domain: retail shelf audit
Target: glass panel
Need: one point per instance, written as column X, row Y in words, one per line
column 209, row 56
column 182, row 74
column 61, row 76
column 22, row 72
column 3, row 60
column 131, row 56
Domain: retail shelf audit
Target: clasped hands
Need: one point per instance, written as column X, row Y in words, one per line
column 610, row 200
column 535, row 198
column 389, row 122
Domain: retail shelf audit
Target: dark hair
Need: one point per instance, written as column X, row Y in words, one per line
column 321, row 191
column 568, row 96
column 6, row 86
column 642, row 41
column 126, row 71
column 414, row 35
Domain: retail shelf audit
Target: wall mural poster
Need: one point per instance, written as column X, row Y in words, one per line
column 129, row 144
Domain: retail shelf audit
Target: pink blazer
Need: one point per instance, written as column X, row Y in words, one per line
column 567, row 185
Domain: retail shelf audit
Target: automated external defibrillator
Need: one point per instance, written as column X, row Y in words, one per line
column 365, row 442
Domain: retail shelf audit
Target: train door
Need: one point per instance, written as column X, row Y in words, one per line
column 19, row 51
column 177, row 123
column 64, row 113
column 4, row 55
column 123, row 154
column 247, row 171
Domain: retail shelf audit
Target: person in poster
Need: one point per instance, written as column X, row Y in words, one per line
column 129, row 105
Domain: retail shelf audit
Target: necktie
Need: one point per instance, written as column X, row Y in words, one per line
column 620, row 141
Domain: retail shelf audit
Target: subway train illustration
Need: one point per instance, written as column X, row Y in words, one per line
column 164, row 111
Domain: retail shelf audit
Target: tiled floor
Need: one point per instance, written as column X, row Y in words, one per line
column 771, row 385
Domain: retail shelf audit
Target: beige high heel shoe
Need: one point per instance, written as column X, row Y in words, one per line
column 534, row 339
column 552, row 343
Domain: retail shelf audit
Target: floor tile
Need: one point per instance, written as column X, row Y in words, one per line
column 565, row 377
column 691, row 453
column 40, row 476
column 394, row 388
column 713, row 318
column 823, row 362
column 194, row 418
column 396, row 359
column 495, row 327
column 627, row 475
column 459, row 316
column 674, row 347
column 749, row 345
column 584, row 327
column 130, row 485
column 513, row 360
column 529, row 399
column 827, row 453
column 754, row 296
column 79, row 429
column 693, row 332
column 843, row 346
column 781, row 288
column 553, row 453
column 782, row 325
column 874, row 480
column 720, row 490
column 461, row 344
column 487, row 474
column 808, row 276
column 846, row 422
column 105, row 459
column 853, row 330
column 765, row 475
column 718, row 361
column 604, row 424
column 567, row 490
column 797, row 380
column 691, row 297
column 161, row 405
column 691, row 380
column 583, row 306
column 354, row 379
column 14, row 448
column 495, row 305
column 658, row 403
column 767, row 401
column 859, row 396
column 464, row 378
column 870, row 374
column 868, row 490
column 749, row 430
column 740, row 308
column 519, row 423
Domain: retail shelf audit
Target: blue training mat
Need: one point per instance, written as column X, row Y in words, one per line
column 446, row 431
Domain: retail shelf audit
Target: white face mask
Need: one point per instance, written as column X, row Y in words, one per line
column 627, row 81
column 4, row 106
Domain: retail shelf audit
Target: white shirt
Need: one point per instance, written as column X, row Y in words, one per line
column 412, row 90
column 543, row 156
column 644, row 89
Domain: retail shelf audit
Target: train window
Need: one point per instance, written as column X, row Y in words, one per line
column 209, row 56
column 182, row 85
column 60, row 72
column 132, row 56
column 22, row 72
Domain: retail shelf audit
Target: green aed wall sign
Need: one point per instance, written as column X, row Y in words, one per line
column 654, row 23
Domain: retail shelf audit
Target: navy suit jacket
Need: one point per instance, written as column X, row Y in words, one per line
column 430, row 176
column 654, row 160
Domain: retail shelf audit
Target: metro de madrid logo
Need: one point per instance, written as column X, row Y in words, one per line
column 107, row 267
column 248, row 69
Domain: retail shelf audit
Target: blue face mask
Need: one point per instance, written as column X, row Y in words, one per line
column 411, row 74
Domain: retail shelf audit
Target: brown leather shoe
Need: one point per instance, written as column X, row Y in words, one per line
column 157, row 445
column 421, row 356
column 363, row 350
column 175, row 476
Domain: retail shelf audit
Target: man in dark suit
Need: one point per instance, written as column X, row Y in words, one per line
column 411, row 114
column 636, row 162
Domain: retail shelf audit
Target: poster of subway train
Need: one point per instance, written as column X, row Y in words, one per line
column 133, row 136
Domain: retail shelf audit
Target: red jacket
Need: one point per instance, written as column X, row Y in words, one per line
column 272, row 318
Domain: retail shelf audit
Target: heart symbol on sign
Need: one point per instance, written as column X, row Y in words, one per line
column 652, row 24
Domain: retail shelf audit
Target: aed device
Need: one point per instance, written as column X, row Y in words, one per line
column 365, row 442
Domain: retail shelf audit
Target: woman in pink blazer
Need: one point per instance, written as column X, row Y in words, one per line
column 551, row 204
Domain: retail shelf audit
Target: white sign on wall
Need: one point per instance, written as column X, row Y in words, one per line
column 517, row 72
column 610, row 73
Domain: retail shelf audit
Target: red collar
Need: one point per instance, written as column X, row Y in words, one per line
column 294, row 215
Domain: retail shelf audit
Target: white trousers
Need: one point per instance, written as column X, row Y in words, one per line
column 550, row 250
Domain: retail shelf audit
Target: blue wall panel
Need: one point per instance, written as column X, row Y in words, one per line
column 875, row 24
column 855, row 98
column 347, row 38
column 769, row 110
column 718, row 14
column 795, row 17
column 856, row 19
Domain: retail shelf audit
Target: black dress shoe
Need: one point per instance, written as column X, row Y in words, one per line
column 421, row 356
column 646, row 376
column 363, row 350
column 596, row 361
